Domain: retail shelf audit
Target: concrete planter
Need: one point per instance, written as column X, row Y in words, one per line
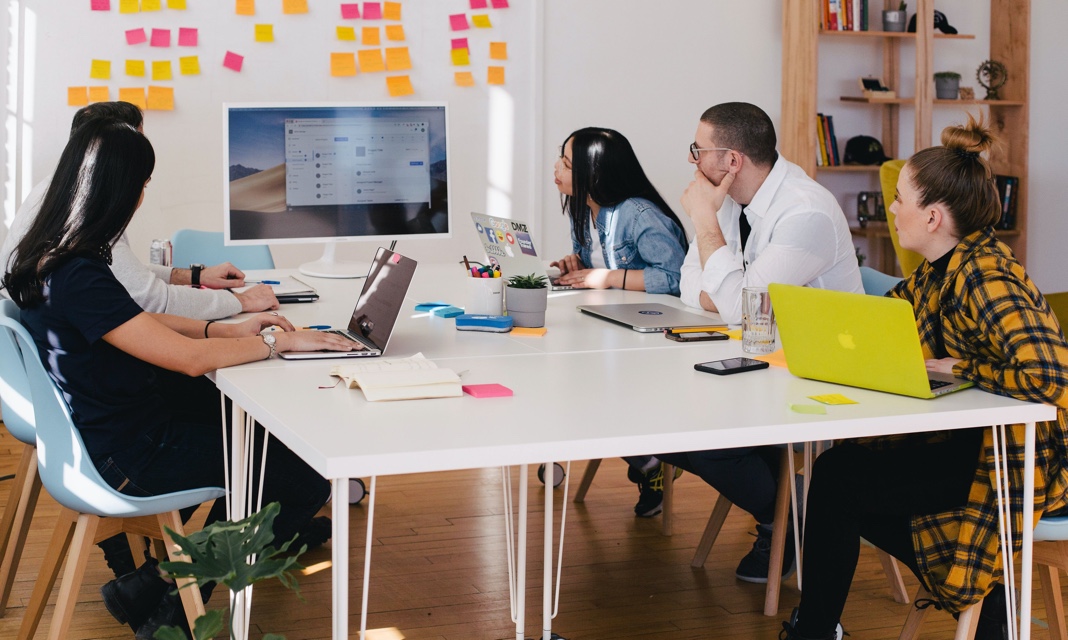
column 946, row 88
column 527, row 306
column 895, row 20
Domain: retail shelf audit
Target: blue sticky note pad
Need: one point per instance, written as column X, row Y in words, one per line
column 430, row 306
column 447, row 312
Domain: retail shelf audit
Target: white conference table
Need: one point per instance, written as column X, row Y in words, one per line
column 588, row 389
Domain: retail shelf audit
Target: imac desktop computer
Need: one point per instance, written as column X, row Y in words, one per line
column 335, row 173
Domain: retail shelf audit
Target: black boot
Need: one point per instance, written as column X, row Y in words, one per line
column 169, row 613
column 132, row 598
column 993, row 623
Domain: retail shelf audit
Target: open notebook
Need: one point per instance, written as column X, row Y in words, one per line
column 400, row 379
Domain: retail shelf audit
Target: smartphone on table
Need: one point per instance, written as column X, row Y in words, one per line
column 730, row 366
column 695, row 336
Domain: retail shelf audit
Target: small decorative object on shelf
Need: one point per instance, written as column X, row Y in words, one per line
column 946, row 85
column 966, row 93
column 1008, row 186
column 875, row 88
column 940, row 23
column 895, row 20
column 992, row 76
column 870, row 207
column 864, row 150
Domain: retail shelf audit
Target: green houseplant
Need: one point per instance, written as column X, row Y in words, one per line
column 895, row 19
column 526, row 300
column 947, row 85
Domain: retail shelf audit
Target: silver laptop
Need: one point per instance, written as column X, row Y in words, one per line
column 647, row 317
column 507, row 243
column 376, row 310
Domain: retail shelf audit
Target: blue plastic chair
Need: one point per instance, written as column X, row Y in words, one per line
column 189, row 246
column 92, row 510
column 877, row 283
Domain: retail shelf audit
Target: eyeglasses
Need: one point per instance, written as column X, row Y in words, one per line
column 695, row 151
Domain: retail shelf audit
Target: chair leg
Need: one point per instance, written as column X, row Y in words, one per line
column 77, row 557
column 968, row 621
column 46, row 579
column 708, row 538
column 914, row 621
column 778, row 533
column 1051, row 596
column 16, row 522
column 587, row 480
column 893, row 576
column 138, row 548
column 191, row 600
column 667, row 524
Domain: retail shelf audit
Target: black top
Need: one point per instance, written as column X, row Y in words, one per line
column 113, row 396
column 939, row 266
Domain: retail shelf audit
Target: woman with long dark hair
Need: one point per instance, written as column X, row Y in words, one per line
column 624, row 235
column 150, row 422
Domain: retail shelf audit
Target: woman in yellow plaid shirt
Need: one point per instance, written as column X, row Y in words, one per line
column 929, row 499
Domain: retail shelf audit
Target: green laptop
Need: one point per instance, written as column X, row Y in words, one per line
column 855, row 339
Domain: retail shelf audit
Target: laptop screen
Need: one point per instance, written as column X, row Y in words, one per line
column 382, row 297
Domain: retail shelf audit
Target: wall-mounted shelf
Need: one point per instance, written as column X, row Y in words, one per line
column 893, row 34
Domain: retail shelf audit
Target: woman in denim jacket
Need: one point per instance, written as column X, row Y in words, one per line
column 623, row 233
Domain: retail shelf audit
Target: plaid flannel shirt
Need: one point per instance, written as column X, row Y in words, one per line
column 995, row 320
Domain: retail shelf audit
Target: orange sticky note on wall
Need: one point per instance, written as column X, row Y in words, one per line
column 371, row 60
column 189, row 65
column 161, row 70
column 294, row 6
column 342, row 64
column 264, row 33
column 77, row 96
column 99, row 94
column 346, row 33
column 460, row 58
column 495, row 75
column 245, row 7
column 100, row 69
column 464, row 79
column 399, row 86
column 133, row 95
column 371, row 36
column 161, row 98
column 395, row 32
column 135, row 68
column 391, row 10
column 498, row 51
column 397, row 59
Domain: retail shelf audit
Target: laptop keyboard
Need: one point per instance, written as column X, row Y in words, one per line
column 345, row 333
column 938, row 384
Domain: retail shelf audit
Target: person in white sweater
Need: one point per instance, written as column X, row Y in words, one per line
column 157, row 289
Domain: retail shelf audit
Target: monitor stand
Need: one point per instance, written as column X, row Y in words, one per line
column 328, row 267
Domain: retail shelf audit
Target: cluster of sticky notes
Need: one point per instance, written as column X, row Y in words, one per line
column 389, row 59
column 461, row 49
column 134, row 6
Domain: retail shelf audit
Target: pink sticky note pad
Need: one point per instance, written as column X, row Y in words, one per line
column 395, row 258
column 372, row 11
column 187, row 37
column 350, row 11
column 161, row 38
column 458, row 21
column 500, row 4
column 233, row 61
column 100, row 5
column 135, row 36
column 460, row 43
column 487, row 390
column 478, row 4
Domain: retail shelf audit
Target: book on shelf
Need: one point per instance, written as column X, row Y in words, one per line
column 827, row 151
column 400, row 379
column 1008, row 188
column 836, row 159
column 821, row 144
column 844, row 15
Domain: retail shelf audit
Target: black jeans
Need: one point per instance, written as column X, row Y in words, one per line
column 858, row 492
column 747, row 476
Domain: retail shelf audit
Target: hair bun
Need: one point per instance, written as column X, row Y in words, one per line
column 968, row 140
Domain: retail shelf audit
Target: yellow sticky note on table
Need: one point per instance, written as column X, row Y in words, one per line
column 176, row 4
column 100, row 69
column 161, row 98
column 391, row 10
column 812, row 409
column 465, row 79
column 245, row 7
column 342, row 64
column 498, row 51
column 833, row 398
column 734, row 334
column 151, row 5
column 135, row 67
column 294, row 6
column 129, row 6
column 371, row 60
column 189, row 65
column 133, row 95
column 77, row 96
column 494, row 75
column 460, row 58
column 397, row 59
column 395, row 32
column 371, row 36
column 264, row 33
column 161, row 70
column 536, row 332
column 775, row 358
column 399, row 86
column 99, row 94
column 346, row 33
column 481, row 21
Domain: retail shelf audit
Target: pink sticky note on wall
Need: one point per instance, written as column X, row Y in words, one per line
column 233, row 61
column 460, row 43
column 161, row 38
column 458, row 22
column 500, row 4
column 487, row 390
column 350, row 11
column 100, row 5
column 187, row 37
column 135, row 36
column 478, row 4
column 372, row 11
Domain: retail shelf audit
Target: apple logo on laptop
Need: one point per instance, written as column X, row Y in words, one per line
column 846, row 340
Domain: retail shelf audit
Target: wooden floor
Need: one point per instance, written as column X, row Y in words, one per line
column 439, row 571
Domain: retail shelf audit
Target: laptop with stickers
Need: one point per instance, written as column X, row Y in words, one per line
column 508, row 244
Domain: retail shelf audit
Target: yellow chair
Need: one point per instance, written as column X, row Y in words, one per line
column 1058, row 302
column 888, row 173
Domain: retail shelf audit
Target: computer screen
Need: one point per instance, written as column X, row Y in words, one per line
column 335, row 172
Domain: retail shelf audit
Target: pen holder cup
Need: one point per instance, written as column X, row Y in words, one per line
column 485, row 296
column 758, row 321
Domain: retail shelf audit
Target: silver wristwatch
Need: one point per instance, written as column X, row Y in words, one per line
column 269, row 340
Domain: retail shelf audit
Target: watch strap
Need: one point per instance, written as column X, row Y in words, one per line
column 194, row 277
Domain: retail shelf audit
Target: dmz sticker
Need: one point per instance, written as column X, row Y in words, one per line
column 651, row 313
column 526, row 245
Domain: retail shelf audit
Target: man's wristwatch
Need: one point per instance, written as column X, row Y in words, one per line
column 195, row 270
column 269, row 340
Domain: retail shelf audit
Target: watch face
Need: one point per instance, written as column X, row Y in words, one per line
column 269, row 339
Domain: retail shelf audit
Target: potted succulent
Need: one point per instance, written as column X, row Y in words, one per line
column 895, row 19
column 947, row 85
column 526, row 299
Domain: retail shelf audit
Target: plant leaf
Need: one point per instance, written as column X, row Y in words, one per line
column 170, row 633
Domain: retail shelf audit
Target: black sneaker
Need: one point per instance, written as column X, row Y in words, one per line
column 314, row 534
column 993, row 624
column 650, row 489
column 754, row 566
column 789, row 631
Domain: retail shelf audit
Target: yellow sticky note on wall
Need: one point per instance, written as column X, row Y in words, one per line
column 294, row 6
column 151, row 5
column 100, row 69
column 482, row 21
column 161, row 70
column 133, row 95
column 264, row 33
column 346, row 33
column 395, row 32
column 129, row 6
column 77, row 96
column 460, row 58
column 245, row 7
column 176, row 4
column 371, row 36
column 391, row 11
column 99, row 94
column 399, row 86
column 135, row 67
column 371, row 60
column 495, row 75
column 397, row 59
column 189, row 65
column 498, row 51
column 342, row 64
column 465, row 79
column 161, row 98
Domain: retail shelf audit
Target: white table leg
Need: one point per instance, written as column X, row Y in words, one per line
column 340, row 557
column 367, row 555
column 237, row 509
column 1028, row 531
column 547, row 571
column 521, row 557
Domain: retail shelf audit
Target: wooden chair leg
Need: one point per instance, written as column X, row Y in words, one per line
column 708, row 538
column 914, row 621
column 968, row 621
column 159, row 549
column 138, row 548
column 1051, row 596
column 587, row 480
column 893, row 576
column 16, row 522
column 191, row 599
column 77, row 557
column 778, row 533
column 46, row 579
column 667, row 524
